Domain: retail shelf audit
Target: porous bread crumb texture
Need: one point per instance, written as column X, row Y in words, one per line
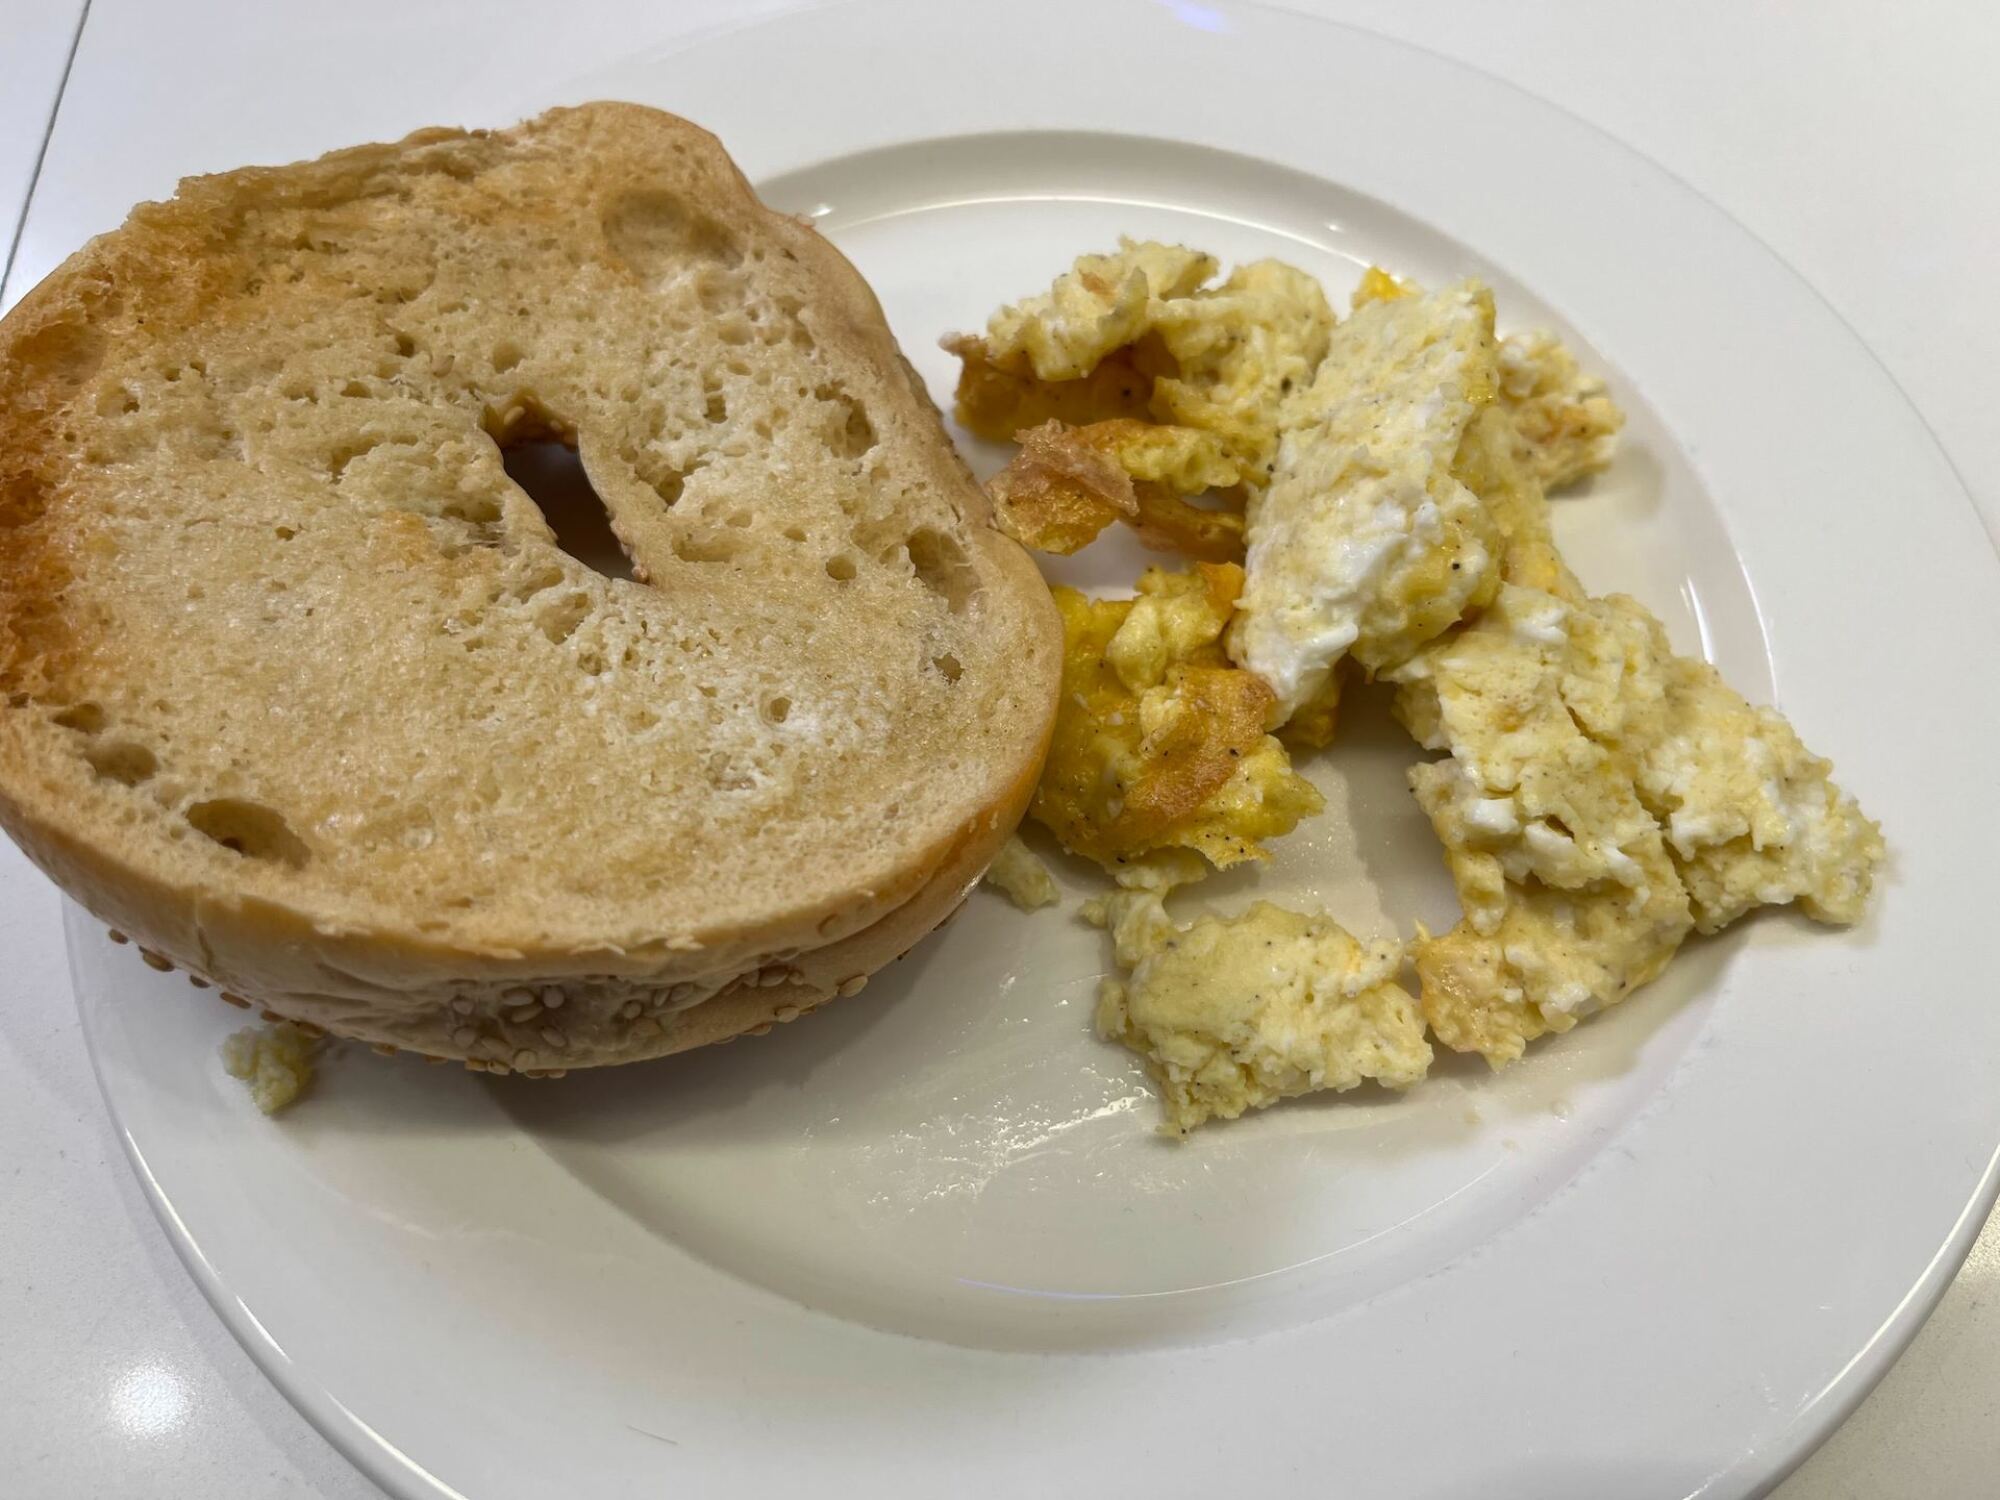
column 276, row 627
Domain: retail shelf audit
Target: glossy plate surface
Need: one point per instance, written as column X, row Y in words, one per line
column 927, row 1238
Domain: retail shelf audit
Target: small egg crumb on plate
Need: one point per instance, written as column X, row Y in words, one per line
column 1159, row 741
column 1018, row 873
column 276, row 1061
column 1236, row 1014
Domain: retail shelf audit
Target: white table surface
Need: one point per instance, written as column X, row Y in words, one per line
column 1856, row 138
column 35, row 40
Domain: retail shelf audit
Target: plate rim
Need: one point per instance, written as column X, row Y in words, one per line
column 1844, row 1391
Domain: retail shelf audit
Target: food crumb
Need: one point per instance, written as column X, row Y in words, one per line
column 1018, row 872
column 276, row 1061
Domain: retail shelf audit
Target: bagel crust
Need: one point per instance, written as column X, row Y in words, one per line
column 298, row 688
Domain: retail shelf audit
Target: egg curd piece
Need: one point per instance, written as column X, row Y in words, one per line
column 1603, row 797
column 1365, row 542
column 1571, row 897
column 1563, row 422
column 1139, row 333
column 1058, row 492
column 1752, row 818
column 1018, row 873
column 1159, row 742
column 1235, row 1014
column 1378, row 285
column 1102, row 303
column 1240, row 351
column 1066, row 484
column 276, row 1061
column 999, row 404
column 1492, row 462
column 1567, row 423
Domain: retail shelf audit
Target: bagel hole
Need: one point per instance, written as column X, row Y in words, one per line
column 84, row 718
column 707, row 547
column 535, row 581
column 942, row 567
column 250, row 829
column 122, row 761
column 551, row 475
column 671, row 483
column 848, row 430
column 561, row 619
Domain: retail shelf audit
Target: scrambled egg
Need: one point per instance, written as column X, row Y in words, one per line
column 1060, row 490
column 275, row 1061
column 1184, row 459
column 1066, row 484
column 1237, row 1014
column 1159, row 742
column 1599, row 797
column 1378, row 285
column 999, row 403
column 1139, row 333
column 1602, row 798
column 1492, row 464
column 1571, row 899
column 1365, row 542
column 1240, row 350
column 1102, row 303
column 1018, row 872
column 1313, row 722
column 1566, row 424
column 1751, row 817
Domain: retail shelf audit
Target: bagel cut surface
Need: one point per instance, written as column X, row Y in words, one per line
column 298, row 687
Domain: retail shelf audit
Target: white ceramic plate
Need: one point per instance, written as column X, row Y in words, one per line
column 926, row 1242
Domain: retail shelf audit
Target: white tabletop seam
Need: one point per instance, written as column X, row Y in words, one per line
column 42, row 151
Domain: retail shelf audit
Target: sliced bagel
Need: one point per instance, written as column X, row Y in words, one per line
column 298, row 688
